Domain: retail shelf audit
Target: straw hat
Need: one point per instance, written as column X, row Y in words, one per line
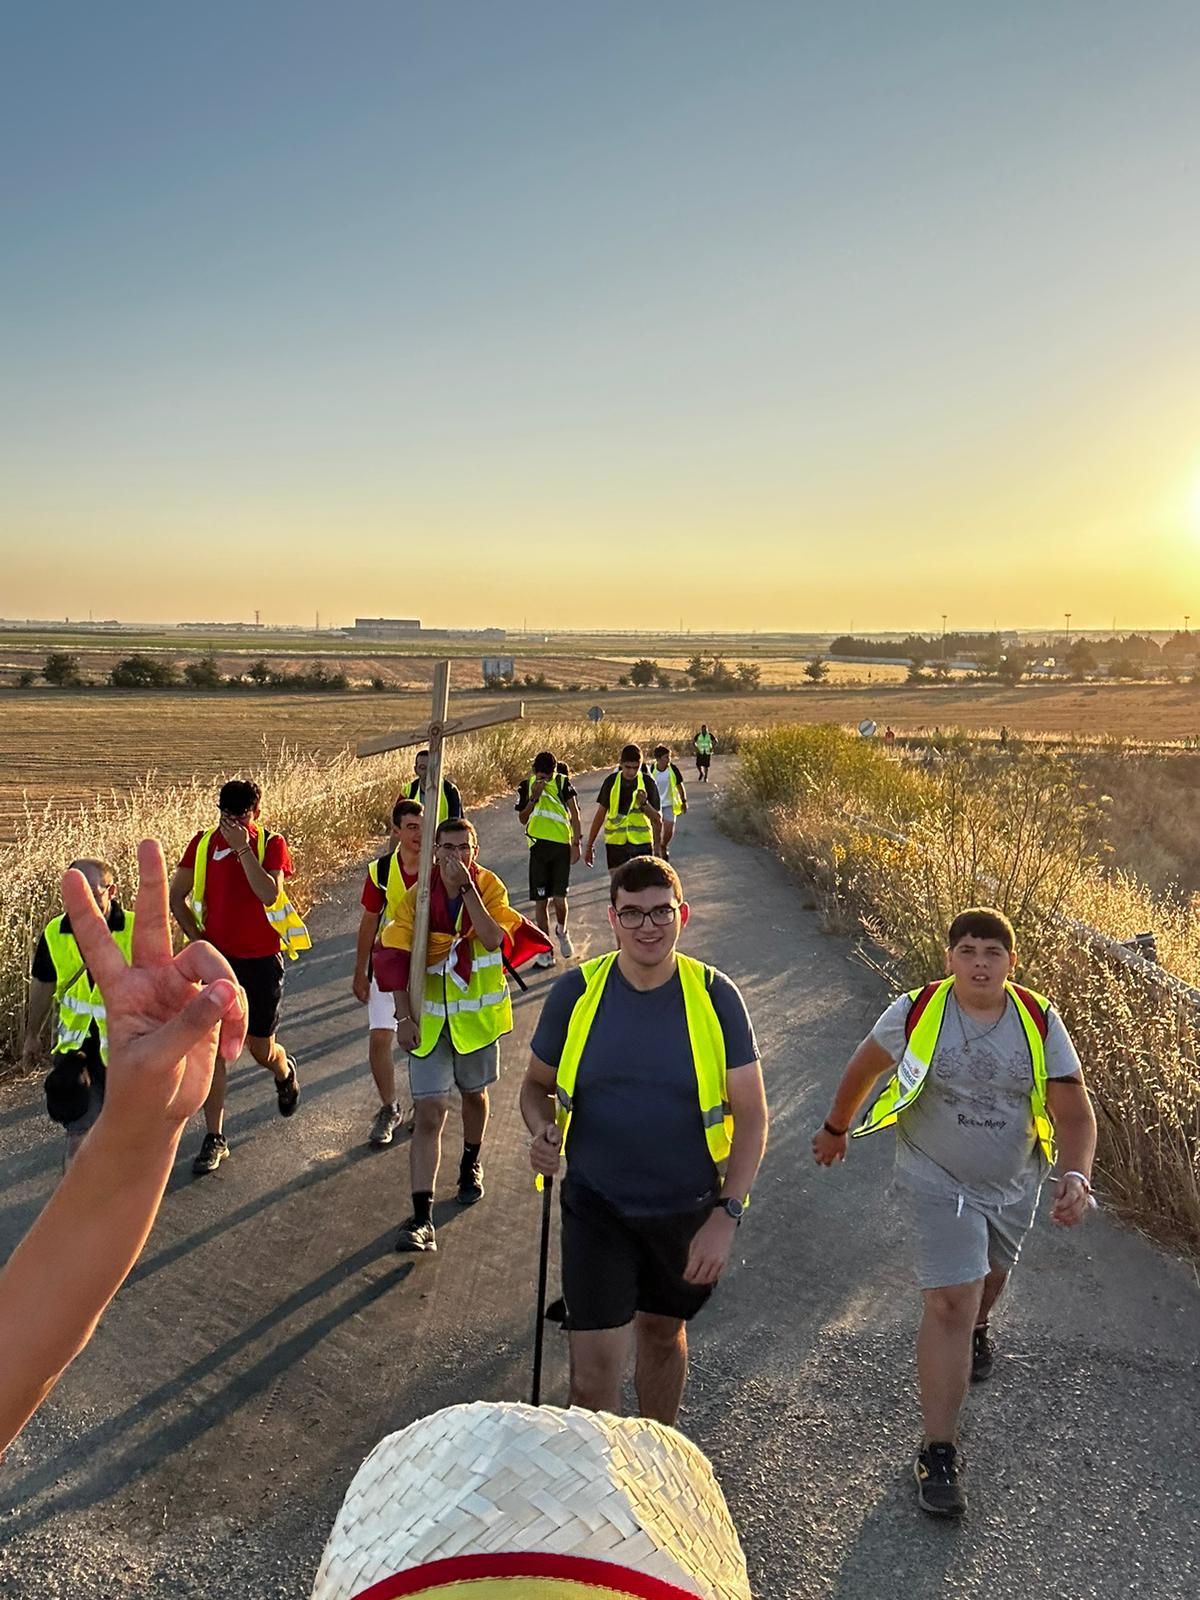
column 533, row 1503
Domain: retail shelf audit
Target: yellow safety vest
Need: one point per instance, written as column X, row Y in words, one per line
column 627, row 827
column 394, row 888
column 443, row 807
column 704, row 744
column 906, row 1083
column 550, row 818
column 704, row 1032
column 477, row 1012
column 79, row 1001
column 672, row 786
column 281, row 913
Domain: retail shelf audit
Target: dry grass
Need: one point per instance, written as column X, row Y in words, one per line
column 895, row 849
column 329, row 809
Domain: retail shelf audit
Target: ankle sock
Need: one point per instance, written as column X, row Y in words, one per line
column 423, row 1205
column 470, row 1154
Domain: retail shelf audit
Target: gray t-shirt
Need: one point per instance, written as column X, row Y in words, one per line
column 970, row 1130
column 636, row 1135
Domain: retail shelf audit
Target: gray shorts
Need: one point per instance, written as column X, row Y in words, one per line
column 444, row 1068
column 958, row 1242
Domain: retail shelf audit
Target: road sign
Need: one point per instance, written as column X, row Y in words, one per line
column 595, row 713
column 866, row 727
column 497, row 667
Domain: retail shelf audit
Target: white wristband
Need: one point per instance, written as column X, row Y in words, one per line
column 1083, row 1178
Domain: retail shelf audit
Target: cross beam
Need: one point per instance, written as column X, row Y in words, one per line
column 439, row 729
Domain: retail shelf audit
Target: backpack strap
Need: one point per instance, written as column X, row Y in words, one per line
column 917, row 1009
column 1034, row 1007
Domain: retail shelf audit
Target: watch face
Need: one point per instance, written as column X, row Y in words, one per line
column 735, row 1208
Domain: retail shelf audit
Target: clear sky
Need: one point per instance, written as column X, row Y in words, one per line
column 602, row 312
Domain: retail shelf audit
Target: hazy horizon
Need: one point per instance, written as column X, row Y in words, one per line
column 748, row 316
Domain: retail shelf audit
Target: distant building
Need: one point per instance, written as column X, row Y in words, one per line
column 386, row 627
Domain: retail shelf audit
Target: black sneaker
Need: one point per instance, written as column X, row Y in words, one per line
column 470, row 1183
column 983, row 1357
column 287, row 1090
column 416, row 1235
column 212, row 1152
column 938, row 1491
column 387, row 1120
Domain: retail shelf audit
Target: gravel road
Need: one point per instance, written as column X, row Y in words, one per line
column 270, row 1335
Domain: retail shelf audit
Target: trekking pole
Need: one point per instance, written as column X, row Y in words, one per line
column 540, row 1326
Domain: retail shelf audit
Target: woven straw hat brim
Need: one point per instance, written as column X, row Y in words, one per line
column 490, row 1479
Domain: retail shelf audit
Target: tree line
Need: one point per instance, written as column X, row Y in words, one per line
column 64, row 671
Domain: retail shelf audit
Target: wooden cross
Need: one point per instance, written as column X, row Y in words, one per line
column 434, row 737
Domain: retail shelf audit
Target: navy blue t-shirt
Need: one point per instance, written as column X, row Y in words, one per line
column 636, row 1135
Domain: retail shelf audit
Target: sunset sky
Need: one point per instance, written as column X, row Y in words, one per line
column 602, row 312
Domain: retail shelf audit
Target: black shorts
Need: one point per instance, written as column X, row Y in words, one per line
column 614, row 1266
column 549, row 869
column 702, row 762
column 262, row 979
column 618, row 854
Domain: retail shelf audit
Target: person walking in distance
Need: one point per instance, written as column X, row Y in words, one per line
column 644, row 1073
column 60, row 979
column 388, row 879
column 228, row 890
column 549, row 807
column 987, row 1080
column 703, row 746
column 627, row 808
column 672, row 796
column 455, row 1042
column 449, row 802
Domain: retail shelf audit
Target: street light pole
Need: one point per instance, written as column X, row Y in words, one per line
column 943, row 638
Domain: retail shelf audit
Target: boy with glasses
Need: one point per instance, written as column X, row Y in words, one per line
column 647, row 1060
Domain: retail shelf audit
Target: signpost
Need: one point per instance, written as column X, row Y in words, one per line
column 441, row 727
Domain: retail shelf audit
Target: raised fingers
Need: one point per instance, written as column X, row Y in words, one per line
column 199, row 962
column 151, row 930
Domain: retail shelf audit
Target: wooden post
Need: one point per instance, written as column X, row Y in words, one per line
column 430, row 798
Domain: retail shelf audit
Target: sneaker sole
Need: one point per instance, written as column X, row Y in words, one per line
column 418, row 1249
column 381, row 1144
column 471, row 1199
column 203, row 1172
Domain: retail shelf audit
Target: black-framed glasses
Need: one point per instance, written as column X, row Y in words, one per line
column 633, row 917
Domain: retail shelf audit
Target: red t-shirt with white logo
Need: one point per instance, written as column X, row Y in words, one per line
column 235, row 919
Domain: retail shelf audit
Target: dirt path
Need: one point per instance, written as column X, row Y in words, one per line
column 270, row 1335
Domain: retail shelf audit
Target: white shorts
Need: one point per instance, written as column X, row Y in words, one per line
column 381, row 1008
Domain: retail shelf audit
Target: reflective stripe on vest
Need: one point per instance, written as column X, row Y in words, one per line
column 627, row 827
column 912, row 1070
column 413, row 792
column 549, row 818
column 80, row 1003
column 281, row 913
column 672, row 787
column 704, row 1034
column 477, row 1011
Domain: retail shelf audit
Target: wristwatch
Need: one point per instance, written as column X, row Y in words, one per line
column 733, row 1208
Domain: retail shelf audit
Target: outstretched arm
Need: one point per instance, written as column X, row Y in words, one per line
column 867, row 1063
column 167, row 1018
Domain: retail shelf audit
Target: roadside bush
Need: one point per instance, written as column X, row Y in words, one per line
column 143, row 672
column 61, row 669
column 203, row 674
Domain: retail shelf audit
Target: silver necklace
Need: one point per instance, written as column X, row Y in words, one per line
column 970, row 1039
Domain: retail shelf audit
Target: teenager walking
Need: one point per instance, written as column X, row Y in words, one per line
column 703, row 746
column 628, row 809
column 672, row 796
column 644, row 1073
column 987, row 1080
column 548, row 806
column 449, row 801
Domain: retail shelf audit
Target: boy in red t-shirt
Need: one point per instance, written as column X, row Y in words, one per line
column 238, row 888
column 403, row 860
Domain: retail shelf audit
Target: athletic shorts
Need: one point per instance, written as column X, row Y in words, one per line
column 549, row 869
column 444, row 1068
column 618, row 854
column 959, row 1242
column 262, row 979
column 614, row 1266
column 702, row 762
column 381, row 1009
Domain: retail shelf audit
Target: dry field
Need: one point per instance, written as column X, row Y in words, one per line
column 69, row 745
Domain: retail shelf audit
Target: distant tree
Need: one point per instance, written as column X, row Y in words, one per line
column 664, row 679
column 378, row 685
column 916, row 654
column 643, row 673
column 203, row 674
column 1080, row 660
column 699, row 667
column 1123, row 667
column 989, row 661
column 915, row 674
column 260, row 673
column 1013, row 665
column 26, row 678
column 749, row 674
column 61, row 669
column 142, row 672
column 623, row 680
column 816, row 670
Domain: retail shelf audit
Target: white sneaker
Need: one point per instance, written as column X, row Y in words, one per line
column 544, row 959
column 564, row 943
